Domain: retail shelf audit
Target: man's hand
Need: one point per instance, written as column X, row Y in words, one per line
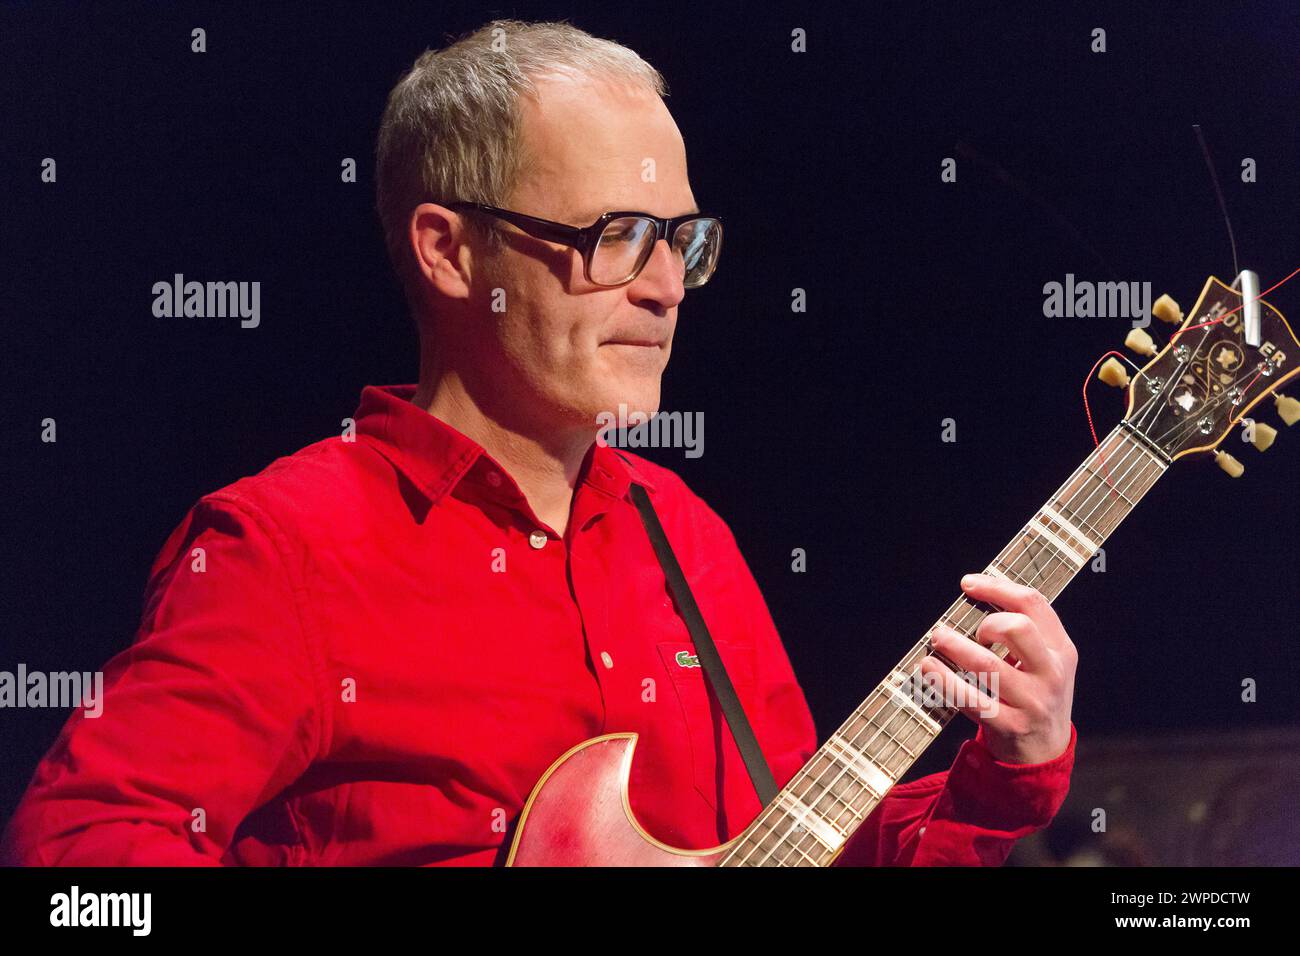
column 1030, row 721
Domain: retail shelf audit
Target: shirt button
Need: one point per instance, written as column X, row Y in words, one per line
column 921, row 832
column 606, row 659
column 537, row 539
column 494, row 479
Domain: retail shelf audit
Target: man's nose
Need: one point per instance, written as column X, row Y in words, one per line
column 663, row 278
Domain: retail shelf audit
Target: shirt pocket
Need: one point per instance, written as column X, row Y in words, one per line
column 705, row 726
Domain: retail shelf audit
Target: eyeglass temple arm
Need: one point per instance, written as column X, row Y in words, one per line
column 539, row 228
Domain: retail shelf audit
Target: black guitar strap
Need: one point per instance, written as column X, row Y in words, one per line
column 759, row 772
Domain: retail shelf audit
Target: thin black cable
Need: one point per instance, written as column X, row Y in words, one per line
column 1223, row 207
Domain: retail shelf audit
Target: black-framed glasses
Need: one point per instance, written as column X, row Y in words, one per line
column 616, row 247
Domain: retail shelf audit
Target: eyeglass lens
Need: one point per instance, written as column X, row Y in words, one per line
column 626, row 243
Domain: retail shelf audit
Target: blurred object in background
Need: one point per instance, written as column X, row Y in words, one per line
column 1203, row 799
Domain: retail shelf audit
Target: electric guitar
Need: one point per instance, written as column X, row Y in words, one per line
column 1185, row 401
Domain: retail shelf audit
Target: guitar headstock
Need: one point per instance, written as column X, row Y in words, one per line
column 1195, row 390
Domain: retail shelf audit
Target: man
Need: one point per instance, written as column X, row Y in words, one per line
column 370, row 652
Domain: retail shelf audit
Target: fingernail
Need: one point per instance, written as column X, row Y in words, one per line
column 968, row 580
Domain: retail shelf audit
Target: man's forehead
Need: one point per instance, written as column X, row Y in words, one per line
column 587, row 142
column 575, row 116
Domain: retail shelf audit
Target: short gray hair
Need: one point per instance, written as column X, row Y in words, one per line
column 452, row 123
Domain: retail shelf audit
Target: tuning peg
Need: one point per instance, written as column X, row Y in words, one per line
column 1166, row 310
column 1264, row 436
column 1138, row 341
column 1113, row 373
column 1234, row 468
column 1288, row 409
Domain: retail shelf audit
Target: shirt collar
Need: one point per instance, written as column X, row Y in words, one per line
column 436, row 457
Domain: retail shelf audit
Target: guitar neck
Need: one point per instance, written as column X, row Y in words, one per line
column 812, row 818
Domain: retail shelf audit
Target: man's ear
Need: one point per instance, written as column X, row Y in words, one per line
column 442, row 257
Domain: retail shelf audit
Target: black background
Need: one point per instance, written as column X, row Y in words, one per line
column 822, row 429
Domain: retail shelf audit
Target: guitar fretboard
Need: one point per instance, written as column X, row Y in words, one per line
column 815, row 814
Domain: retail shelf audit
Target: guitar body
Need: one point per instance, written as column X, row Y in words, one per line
column 579, row 815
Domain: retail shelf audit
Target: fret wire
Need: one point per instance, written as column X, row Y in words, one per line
column 884, row 726
column 1105, row 480
column 1062, row 508
column 836, row 794
column 816, row 792
column 1113, row 507
column 878, row 758
column 886, row 760
column 1067, row 547
column 833, row 796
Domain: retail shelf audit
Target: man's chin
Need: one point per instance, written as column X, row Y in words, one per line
column 626, row 408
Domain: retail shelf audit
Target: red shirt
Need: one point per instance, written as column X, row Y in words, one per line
column 370, row 652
